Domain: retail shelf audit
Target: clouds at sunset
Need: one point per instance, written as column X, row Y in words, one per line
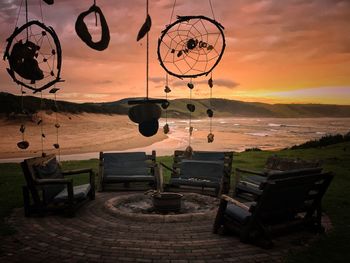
column 274, row 48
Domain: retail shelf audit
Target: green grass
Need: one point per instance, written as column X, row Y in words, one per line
column 336, row 158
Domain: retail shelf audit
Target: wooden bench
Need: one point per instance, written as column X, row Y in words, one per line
column 117, row 171
column 205, row 172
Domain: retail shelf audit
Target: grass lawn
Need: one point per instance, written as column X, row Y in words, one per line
column 331, row 248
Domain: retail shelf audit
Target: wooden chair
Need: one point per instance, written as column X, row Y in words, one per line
column 118, row 170
column 249, row 187
column 204, row 172
column 47, row 189
column 248, row 181
column 283, row 205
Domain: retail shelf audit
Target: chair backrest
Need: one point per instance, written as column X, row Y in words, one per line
column 212, row 171
column 224, row 157
column 275, row 175
column 127, row 163
column 283, row 198
column 283, row 164
column 45, row 167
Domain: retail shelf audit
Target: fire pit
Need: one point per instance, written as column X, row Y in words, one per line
column 178, row 207
column 166, row 202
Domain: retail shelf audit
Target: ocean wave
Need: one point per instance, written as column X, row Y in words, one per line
column 259, row 134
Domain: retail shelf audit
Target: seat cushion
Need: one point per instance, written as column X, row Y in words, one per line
column 237, row 213
column 112, row 178
column 194, row 182
column 48, row 170
column 80, row 192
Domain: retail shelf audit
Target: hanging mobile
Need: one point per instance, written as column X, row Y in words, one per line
column 210, row 111
column 145, row 111
column 83, row 32
column 165, row 105
column 34, row 55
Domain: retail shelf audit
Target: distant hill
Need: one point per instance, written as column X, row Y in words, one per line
column 10, row 104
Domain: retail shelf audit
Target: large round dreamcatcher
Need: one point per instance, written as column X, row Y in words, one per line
column 34, row 55
column 190, row 47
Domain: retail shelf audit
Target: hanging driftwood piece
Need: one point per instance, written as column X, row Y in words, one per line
column 146, row 27
column 210, row 113
column 49, row 2
column 210, row 137
column 34, row 59
column 166, row 128
column 83, row 32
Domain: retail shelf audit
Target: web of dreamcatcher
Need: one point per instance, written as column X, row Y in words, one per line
column 196, row 55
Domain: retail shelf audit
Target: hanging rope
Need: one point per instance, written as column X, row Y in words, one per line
column 27, row 18
column 147, row 53
column 172, row 12
column 41, row 12
column 57, row 126
column 211, row 107
column 190, row 128
column 40, row 122
column 212, row 11
column 95, row 14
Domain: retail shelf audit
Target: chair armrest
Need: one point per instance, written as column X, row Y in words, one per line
column 77, row 171
column 53, row 181
column 250, row 184
column 168, row 168
column 235, row 202
column 238, row 170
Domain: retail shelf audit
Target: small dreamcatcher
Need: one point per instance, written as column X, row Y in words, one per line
column 34, row 57
column 191, row 47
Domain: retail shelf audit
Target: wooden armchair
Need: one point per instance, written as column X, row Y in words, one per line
column 247, row 181
column 47, row 189
column 282, row 205
column 204, row 172
column 118, row 170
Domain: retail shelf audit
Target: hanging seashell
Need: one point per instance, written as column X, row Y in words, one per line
column 191, row 130
column 56, row 145
column 167, row 89
column 166, row 128
column 57, row 125
column 23, row 145
column 191, row 107
column 188, row 152
column 210, row 113
column 190, row 85
column 54, row 90
column 210, row 137
column 210, row 83
column 146, row 27
column 22, row 129
column 40, row 121
column 165, row 104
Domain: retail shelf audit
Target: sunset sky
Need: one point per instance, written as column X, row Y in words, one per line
column 278, row 51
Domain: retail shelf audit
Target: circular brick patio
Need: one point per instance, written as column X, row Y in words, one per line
column 96, row 235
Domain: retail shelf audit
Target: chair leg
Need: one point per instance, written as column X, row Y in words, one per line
column 26, row 201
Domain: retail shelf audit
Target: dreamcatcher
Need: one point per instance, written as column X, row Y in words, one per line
column 191, row 47
column 146, row 112
column 34, row 56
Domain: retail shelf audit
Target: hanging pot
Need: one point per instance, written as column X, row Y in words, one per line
column 149, row 128
column 144, row 112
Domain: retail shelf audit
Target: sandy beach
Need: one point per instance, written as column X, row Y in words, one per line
column 83, row 136
column 82, row 133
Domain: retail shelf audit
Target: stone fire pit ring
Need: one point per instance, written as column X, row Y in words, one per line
column 207, row 208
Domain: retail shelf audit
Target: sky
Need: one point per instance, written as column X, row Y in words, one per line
column 278, row 51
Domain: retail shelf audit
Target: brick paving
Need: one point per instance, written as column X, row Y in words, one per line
column 95, row 235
